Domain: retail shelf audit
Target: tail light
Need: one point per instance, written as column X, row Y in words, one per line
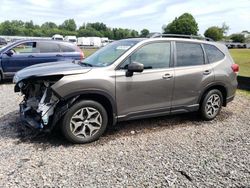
column 235, row 68
column 81, row 54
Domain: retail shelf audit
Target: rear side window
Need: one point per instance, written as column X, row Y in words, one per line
column 189, row 54
column 213, row 53
column 48, row 47
column 67, row 48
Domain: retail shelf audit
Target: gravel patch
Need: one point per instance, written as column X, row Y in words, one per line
column 171, row 151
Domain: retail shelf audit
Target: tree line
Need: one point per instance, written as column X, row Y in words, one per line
column 68, row 27
column 184, row 24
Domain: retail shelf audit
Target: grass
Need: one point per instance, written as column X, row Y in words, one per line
column 242, row 58
column 88, row 52
column 243, row 92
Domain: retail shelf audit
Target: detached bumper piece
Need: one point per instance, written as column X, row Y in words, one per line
column 30, row 117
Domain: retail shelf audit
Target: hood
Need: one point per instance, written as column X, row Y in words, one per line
column 50, row 69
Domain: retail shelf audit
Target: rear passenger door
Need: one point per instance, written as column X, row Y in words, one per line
column 192, row 73
column 49, row 52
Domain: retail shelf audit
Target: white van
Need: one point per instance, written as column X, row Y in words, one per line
column 83, row 41
column 95, row 41
column 57, row 37
column 72, row 39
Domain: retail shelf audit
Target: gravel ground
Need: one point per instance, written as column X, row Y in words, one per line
column 176, row 151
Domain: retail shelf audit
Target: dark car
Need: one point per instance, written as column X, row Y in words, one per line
column 2, row 41
column 24, row 53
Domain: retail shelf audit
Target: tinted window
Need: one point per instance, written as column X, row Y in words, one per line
column 67, row 49
column 189, row 54
column 27, row 47
column 48, row 47
column 155, row 55
column 213, row 53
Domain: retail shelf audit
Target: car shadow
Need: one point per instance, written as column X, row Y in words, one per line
column 12, row 128
column 7, row 81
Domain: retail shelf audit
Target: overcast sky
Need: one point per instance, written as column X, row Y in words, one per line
column 133, row 14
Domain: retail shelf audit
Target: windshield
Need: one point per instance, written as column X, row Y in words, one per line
column 108, row 54
column 6, row 46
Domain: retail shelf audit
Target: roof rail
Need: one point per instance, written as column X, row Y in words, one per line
column 160, row 35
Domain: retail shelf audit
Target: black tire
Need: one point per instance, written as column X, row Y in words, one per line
column 1, row 77
column 67, row 122
column 205, row 113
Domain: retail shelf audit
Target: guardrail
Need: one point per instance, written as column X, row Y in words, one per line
column 243, row 82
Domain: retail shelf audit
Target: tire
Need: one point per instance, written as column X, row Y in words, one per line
column 1, row 77
column 211, row 104
column 85, row 122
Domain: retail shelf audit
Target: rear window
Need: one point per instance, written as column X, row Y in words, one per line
column 67, row 48
column 189, row 54
column 48, row 47
column 213, row 53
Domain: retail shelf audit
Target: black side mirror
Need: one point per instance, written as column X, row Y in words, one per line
column 9, row 53
column 134, row 67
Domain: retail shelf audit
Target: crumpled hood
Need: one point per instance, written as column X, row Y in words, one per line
column 49, row 69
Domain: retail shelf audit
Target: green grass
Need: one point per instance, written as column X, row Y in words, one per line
column 243, row 92
column 242, row 58
column 88, row 52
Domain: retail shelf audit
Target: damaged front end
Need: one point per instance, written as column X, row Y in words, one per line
column 38, row 106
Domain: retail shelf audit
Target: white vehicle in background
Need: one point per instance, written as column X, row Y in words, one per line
column 83, row 41
column 95, row 42
column 57, row 37
column 72, row 39
column 105, row 41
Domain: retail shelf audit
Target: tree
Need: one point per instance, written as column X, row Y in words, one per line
column 68, row 25
column 225, row 28
column 144, row 33
column 238, row 38
column 49, row 25
column 214, row 33
column 185, row 24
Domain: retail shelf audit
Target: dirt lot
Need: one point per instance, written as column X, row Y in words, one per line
column 170, row 151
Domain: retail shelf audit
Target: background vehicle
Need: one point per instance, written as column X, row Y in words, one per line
column 125, row 80
column 24, row 53
column 2, row 41
column 57, row 37
column 72, row 39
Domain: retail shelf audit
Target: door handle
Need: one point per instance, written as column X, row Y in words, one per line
column 207, row 72
column 58, row 55
column 167, row 76
column 30, row 56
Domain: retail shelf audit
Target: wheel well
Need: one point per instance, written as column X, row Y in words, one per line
column 104, row 101
column 221, row 88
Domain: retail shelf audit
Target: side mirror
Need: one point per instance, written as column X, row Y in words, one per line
column 134, row 67
column 9, row 53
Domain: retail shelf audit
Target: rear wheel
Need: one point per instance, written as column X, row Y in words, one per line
column 211, row 104
column 85, row 122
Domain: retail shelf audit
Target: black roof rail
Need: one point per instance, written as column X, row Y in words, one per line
column 160, row 35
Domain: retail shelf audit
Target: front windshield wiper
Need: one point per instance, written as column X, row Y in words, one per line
column 82, row 63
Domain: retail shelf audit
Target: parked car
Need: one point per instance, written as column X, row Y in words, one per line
column 125, row 80
column 57, row 37
column 24, row 53
column 72, row 39
column 2, row 41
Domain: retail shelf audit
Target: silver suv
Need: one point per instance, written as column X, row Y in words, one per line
column 128, row 79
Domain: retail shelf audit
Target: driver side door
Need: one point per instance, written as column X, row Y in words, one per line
column 149, row 93
column 23, row 55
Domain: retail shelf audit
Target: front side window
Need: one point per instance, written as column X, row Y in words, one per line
column 213, row 53
column 48, row 47
column 108, row 54
column 28, row 47
column 189, row 54
column 152, row 56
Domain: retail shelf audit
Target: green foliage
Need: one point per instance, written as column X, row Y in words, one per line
column 185, row 24
column 214, row 33
column 144, row 33
column 238, row 38
column 68, row 25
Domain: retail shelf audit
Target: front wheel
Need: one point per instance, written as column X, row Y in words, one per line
column 85, row 122
column 211, row 104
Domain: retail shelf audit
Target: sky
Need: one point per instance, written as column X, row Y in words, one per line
column 132, row 14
